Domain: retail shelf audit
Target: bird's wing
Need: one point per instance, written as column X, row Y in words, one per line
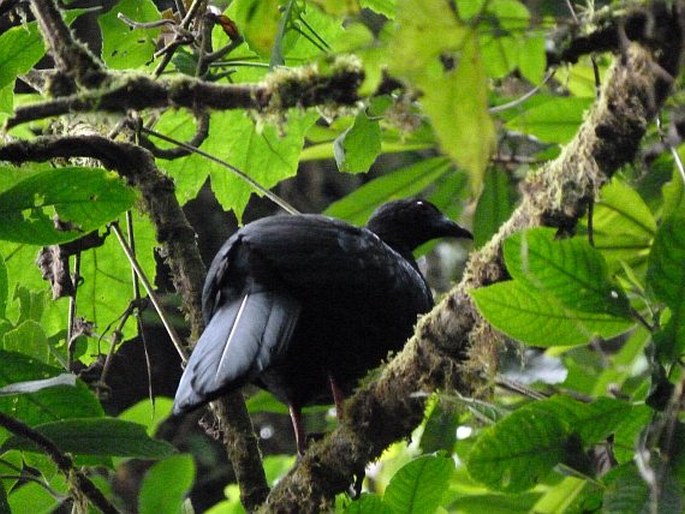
column 241, row 339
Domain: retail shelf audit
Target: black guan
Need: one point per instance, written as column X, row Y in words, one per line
column 304, row 306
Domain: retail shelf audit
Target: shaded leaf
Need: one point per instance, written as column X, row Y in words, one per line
column 96, row 436
column 519, row 451
column 622, row 225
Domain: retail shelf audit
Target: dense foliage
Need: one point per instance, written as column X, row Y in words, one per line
column 471, row 104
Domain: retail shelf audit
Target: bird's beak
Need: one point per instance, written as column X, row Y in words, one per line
column 450, row 228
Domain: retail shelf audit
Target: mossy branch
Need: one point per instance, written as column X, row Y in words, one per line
column 453, row 347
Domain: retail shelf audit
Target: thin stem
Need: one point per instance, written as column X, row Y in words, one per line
column 175, row 339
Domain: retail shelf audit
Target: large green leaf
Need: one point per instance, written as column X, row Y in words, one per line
column 592, row 422
column 61, row 204
column 561, row 294
column 166, row 485
column 267, row 154
column 418, row 486
column 540, row 319
column 454, row 91
column 569, row 269
column 96, row 436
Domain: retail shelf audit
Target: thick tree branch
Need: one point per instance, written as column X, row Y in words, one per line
column 452, row 345
column 297, row 87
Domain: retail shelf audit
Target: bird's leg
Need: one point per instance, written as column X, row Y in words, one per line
column 298, row 428
column 338, row 397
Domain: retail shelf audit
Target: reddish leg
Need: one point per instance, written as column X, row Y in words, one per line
column 338, row 397
column 298, row 428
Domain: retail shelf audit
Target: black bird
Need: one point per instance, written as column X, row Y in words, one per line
column 303, row 306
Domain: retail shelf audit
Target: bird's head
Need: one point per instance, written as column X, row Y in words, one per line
column 406, row 224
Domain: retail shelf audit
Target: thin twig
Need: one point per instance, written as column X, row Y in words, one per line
column 71, row 318
column 144, row 25
column 175, row 339
column 524, row 97
column 138, row 299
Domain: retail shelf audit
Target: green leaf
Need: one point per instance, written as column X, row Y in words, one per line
column 555, row 121
column 49, row 404
column 622, row 225
column 456, row 102
column 674, row 195
column 123, row 47
column 540, row 319
column 356, row 148
column 519, row 451
column 494, row 206
column 401, row 183
column 61, row 204
column 425, row 29
column 32, row 497
column 532, row 60
column 20, row 48
column 264, row 153
column 96, row 436
column 454, row 96
column 569, row 269
column 418, row 486
column 387, row 8
column 166, row 485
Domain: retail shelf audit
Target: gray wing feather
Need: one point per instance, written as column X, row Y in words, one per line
column 242, row 338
